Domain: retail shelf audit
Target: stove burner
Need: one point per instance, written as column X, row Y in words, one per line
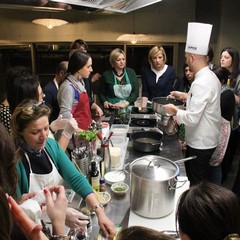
column 138, row 122
column 135, row 110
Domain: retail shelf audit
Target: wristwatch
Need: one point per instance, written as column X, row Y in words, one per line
column 94, row 208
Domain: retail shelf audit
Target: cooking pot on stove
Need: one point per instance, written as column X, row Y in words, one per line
column 146, row 141
column 152, row 186
column 159, row 102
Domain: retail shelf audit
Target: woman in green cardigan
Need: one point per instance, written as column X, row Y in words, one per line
column 118, row 86
column 44, row 164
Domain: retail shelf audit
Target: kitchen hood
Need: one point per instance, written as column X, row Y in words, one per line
column 118, row 6
column 98, row 6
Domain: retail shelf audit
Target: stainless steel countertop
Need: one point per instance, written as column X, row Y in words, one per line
column 118, row 209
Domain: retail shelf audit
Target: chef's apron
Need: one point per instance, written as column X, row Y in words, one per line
column 38, row 182
column 122, row 92
column 81, row 111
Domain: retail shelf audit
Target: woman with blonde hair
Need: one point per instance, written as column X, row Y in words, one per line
column 119, row 86
column 157, row 78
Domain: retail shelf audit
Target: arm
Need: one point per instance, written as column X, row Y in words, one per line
column 97, row 109
column 65, row 99
column 104, row 222
column 30, row 229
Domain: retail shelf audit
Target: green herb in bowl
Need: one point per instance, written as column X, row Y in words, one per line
column 87, row 135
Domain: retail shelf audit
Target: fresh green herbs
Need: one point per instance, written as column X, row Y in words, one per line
column 87, row 135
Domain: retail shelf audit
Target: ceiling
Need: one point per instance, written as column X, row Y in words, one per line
column 98, row 6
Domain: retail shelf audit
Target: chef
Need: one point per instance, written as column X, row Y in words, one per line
column 202, row 116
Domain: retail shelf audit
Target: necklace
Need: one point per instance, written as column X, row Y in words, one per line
column 119, row 73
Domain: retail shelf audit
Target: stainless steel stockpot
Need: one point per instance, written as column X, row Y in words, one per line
column 153, row 185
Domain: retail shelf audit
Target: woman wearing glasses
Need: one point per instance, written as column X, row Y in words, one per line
column 43, row 163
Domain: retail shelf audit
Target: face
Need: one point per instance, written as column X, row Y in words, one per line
column 158, row 61
column 226, row 60
column 41, row 95
column 189, row 74
column 120, row 62
column 87, row 69
column 36, row 133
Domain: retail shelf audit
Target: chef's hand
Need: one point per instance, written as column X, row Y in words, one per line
column 58, row 124
column 26, row 196
column 76, row 219
column 96, row 77
column 182, row 96
column 170, row 109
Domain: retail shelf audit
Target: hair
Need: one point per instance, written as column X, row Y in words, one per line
column 142, row 233
column 235, row 61
column 21, row 84
column 208, row 211
column 210, row 54
column 155, row 50
column 61, row 67
column 115, row 53
column 222, row 73
column 77, row 61
column 8, row 174
column 76, row 46
column 78, row 43
column 27, row 111
column 5, row 217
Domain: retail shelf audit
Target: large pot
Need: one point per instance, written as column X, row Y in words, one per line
column 147, row 141
column 153, row 184
column 159, row 102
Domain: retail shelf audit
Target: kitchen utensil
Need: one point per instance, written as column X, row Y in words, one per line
column 147, row 141
column 159, row 102
column 152, row 186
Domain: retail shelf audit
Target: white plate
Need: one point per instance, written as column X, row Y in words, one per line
column 114, row 176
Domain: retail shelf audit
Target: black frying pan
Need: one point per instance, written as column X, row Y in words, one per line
column 146, row 141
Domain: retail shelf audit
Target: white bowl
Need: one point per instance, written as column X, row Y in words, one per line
column 114, row 177
column 104, row 197
column 120, row 188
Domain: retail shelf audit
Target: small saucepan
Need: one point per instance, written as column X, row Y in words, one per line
column 147, row 141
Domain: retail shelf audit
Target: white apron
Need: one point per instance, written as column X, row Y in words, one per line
column 38, row 182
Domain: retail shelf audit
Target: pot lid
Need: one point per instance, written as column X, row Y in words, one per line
column 154, row 168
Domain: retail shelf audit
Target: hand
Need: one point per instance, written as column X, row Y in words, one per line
column 119, row 105
column 58, row 124
column 70, row 128
column 56, row 208
column 76, row 219
column 170, row 109
column 96, row 77
column 30, row 229
column 182, row 96
column 107, row 104
column 26, row 196
column 106, row 225
column 98, row 111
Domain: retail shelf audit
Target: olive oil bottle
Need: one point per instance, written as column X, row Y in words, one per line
column 94, row 176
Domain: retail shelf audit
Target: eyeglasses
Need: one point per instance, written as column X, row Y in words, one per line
column 29, row 109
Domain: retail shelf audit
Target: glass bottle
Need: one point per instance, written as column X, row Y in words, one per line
column 94, row 176
column 102, row 185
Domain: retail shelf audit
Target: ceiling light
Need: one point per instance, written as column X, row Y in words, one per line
column 133, row 38
column 50, row 22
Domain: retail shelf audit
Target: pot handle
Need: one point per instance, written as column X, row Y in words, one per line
column 127, row 165
column 174, row 186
